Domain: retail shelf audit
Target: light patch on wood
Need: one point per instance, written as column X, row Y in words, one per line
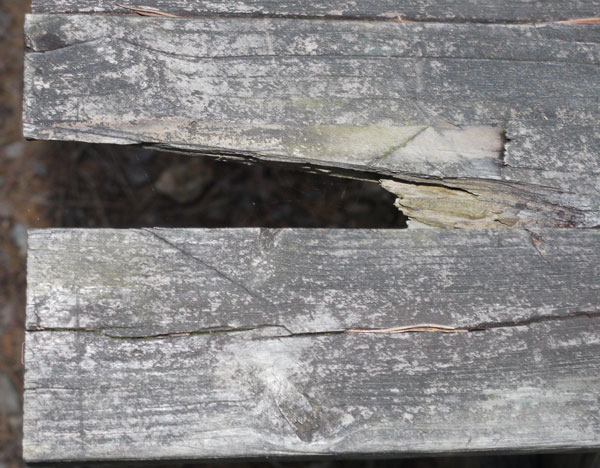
column 371, row 142
column 472, row 149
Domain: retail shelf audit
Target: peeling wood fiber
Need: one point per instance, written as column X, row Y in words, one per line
column 196, row 343
column 506, row 112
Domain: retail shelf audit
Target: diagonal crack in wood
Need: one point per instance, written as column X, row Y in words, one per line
column 209, row 267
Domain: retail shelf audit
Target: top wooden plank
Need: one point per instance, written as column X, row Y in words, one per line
column 428, row 10
column 501, row 119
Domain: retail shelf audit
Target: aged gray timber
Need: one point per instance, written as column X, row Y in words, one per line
column 159, row 343
column 411, row 102
column 482, row 10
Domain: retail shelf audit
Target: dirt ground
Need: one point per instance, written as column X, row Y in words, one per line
column 54, row 184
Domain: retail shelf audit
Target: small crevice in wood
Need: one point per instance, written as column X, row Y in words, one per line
column 534, row 320
column 416, row 328
column 502, row 154
column 53, row 45
column 150, row 12
column 536, row 242
column 111, row 335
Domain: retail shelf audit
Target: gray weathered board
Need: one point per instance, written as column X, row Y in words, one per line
column 441, row 10
column 483, row 125
column 196, row 343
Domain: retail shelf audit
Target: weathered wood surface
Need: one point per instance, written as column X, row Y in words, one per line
column 455, row 10
column 158, row 343
column 415, row 102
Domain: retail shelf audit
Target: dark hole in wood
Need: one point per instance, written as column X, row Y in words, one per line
column 122, row 187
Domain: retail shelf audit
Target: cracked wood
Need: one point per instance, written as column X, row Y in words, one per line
column 196, row 343
column 507, row 113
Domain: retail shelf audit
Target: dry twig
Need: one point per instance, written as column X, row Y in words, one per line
column 582, row 21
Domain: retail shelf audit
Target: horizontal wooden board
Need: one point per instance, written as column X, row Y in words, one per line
column 412, row 101
column 457, row 10
column 175, row 343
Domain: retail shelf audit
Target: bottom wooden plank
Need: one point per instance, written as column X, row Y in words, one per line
column 273, row 388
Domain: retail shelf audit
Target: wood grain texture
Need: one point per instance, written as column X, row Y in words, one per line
column 456, row 10
column 159, row 343
column 415, row 102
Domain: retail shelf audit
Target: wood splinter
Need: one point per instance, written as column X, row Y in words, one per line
column 423, row 327
column 595, row 20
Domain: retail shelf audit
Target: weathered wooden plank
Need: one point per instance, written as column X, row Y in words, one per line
column 457, row 10
column 159, row 343
column 418, row 102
